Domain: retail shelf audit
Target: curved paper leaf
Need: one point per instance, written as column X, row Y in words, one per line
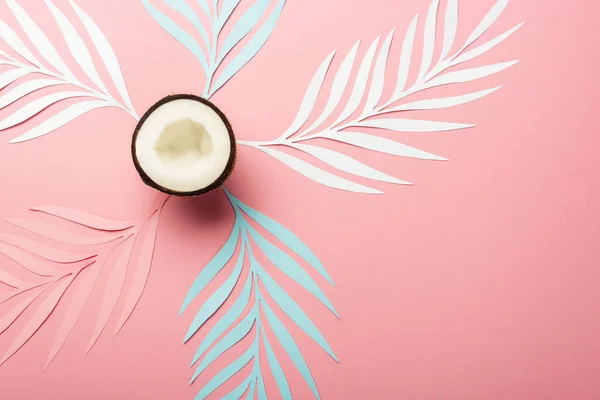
column 9, row 318
column 243, row 26
column 379, row 74
column 41, row 314
column 42, row 250
column 204, row 5
column 484, row 48
column 251, row 49
column 239, row 332
column 338, row 87
column 212, row 268
column 291, row 268
column 443, row 102
column 60, row 119
column 38, row 38
column 289, row 344
column 141, row 272
column 76, row 45
column 8, row 77
column 317, row 174
column 73, row 311
column 30, row 263
column 10, row 37
column 262, row 390
column 293, row 310
column 59, row 234
column 348, row 164
column 106, row 52
column 383, row 145
column 239, row 391
column 284, row 235
column 429, row 39
column 413, row 125
column 112, row 291
column 177, row 32
column 486, row 22
column 226, row 320
column 25, row 89
column 360, row 84
column 188, row 13
column 450, row 26
column 84, row 219
column 276, row 369
column 226, row 374
column 228, row 7
column 218, row 298
column 470, row 74
column 405, row 57
column 250, row 395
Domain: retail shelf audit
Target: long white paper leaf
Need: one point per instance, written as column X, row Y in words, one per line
column 35, row 107
column 26, row 88
column 429, row 38
column 413, row 125
column 348, row 164
column 76, row 45
column 60, row 119
column 443, row 102
column 470, row 74
column 310, row 97
column 383, row 145
column 106, row 53
column 377, row 82
column 338, row 87
column 450, row 25
column 10, row 37
column 38, row 38
column 405, row 57
column 485, row 47
column 317, row 174
column 361, row 83
column 486, row 22
column 8, row 77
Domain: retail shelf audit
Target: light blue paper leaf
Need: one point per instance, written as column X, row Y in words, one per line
column 184, row 9
column 226, row 320
column 177, row 32
column 250, row 395
column 231, row 339
column 228, row 7
column 291, row 268
column 276, row 369
column 239, row 391
column 204, row 6
column 212, row 268
column 291, row 308
column 226, row 373
column 251, row 48
column 262, row 391
column 287, row 341
column 284, row 235
column 219, row 297
column 243, row 26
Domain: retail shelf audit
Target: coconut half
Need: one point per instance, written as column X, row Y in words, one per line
column 184, row 145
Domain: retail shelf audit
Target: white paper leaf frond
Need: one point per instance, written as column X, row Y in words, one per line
column 373, row 68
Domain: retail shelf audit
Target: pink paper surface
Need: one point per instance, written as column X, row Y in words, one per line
column 478, row 282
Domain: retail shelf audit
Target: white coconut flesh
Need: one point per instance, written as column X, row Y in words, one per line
column 183, row 146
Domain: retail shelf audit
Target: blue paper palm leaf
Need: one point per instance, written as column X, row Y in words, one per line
column 211, row 57
column 251, row 310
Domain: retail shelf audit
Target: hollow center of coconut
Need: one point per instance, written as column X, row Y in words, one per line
column 184, row 145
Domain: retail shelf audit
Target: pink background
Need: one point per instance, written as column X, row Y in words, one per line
column 479, row 282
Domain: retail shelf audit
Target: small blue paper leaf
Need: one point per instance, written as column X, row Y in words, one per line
column 218, row 298
column 228, row 7
column 291, row 268
column 283, row 234
column 291, row 308
column 177, row 32
column 226, row 320
column 226, row 373
column 212, row 268
column 239, row 391
column 290, row 346
column 243, row 26
column 231, row 339
column 184, row 9
column 204, row 6
column 250, row 395
column 276, row 369
column 251, row 48
column 262, row 391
